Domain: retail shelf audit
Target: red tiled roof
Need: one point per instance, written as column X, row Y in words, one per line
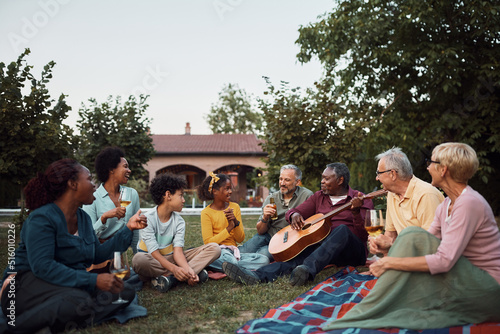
column 240, row 144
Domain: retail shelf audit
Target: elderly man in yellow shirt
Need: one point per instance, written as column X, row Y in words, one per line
column 410, row 201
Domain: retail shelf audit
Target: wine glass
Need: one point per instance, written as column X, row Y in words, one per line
column 124, row 198
column 120, row 268
column 373, row 222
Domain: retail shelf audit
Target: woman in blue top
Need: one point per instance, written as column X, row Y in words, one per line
column 48, row 285
column 107, row 215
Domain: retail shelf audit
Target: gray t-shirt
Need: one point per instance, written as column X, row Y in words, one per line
column 162, row 236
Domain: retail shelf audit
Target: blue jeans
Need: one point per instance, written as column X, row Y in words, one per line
column 341, row 248
column 250, row 261
column 259, row 243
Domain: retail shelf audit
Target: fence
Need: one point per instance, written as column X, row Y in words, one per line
column 185, row 211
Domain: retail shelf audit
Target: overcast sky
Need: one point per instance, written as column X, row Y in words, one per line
column 181, row 53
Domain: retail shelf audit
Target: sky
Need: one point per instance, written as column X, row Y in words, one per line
column 180, row 53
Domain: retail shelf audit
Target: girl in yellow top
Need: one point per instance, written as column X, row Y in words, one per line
column 221, row 223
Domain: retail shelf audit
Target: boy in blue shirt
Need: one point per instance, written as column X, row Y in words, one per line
column 160, row 256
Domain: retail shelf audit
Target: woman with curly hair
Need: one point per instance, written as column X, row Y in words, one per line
column 221, row 223
column 48, row 283
column 108, row 216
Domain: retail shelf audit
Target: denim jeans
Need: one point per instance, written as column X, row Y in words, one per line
column 259, row 243
column 250, row 261
column 341, row 247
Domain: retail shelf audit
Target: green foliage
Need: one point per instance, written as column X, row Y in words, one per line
column 233, row 113
column 422, row 72
column 32, row 134
column 113, row 123
column 308, row 129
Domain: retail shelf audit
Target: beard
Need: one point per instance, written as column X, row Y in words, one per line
column 286, row 191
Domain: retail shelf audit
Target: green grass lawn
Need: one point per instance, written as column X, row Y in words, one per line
column 220, row 306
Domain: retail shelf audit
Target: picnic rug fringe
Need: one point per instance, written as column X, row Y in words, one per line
column 331, row 299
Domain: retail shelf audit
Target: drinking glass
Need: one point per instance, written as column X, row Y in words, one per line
column 125, row 199
column 120, row 268
column 374, row 222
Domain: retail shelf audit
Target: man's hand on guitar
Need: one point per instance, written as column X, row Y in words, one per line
column 357, row 202
column 297, row 221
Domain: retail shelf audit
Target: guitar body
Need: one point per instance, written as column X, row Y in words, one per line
column 288, row 243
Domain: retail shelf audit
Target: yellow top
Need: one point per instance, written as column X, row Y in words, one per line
column 214, row 223
column 417, row 208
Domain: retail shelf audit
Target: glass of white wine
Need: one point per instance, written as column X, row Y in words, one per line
column 373, row 222
column 125, row 199
column 120, row 268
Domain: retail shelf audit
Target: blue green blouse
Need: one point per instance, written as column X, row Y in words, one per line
column 52, row 254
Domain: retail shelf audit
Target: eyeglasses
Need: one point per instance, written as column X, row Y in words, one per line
column 385, row 171
column 429, row 162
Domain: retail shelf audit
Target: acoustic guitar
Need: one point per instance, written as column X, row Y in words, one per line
column 288, row 243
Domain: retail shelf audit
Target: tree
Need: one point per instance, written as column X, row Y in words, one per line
column 427, row 72
column 113, row 123
column 308, row 129
column 32, row 134
column 233, row 113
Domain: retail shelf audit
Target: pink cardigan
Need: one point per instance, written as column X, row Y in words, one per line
column 471, row 231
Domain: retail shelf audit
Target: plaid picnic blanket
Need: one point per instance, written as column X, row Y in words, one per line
column 331, row 299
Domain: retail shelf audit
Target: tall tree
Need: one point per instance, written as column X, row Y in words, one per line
column 429, row 69
column 113, row 123
column 32, row 134
column 309, row 129
column 234, row 113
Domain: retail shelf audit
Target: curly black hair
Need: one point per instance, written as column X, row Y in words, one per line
column 202, row 189
column 163, row 183
column 107, row 160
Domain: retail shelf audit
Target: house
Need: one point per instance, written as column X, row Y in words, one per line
column 194, row 156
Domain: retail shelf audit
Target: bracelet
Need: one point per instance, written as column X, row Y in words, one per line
column 264, row 221
column 237, row 223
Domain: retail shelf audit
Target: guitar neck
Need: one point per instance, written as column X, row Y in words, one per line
column 348, row 205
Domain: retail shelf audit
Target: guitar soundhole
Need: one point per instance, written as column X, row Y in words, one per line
column 305, row 227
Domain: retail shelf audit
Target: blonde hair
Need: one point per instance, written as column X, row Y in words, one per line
column 460, row 158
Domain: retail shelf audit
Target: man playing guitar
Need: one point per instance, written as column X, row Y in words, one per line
column 346, row 244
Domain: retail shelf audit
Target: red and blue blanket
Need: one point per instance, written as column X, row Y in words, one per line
column 332, row 298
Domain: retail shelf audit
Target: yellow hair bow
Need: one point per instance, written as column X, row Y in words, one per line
column 212, row 181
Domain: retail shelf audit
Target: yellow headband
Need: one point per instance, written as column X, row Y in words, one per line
column 212, row 181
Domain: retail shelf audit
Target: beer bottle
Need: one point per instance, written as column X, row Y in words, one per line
column 275, row 216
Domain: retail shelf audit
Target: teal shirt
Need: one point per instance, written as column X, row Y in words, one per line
column 102, row 204
column 52, row 254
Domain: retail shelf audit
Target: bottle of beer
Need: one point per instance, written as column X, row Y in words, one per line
column 275, row 216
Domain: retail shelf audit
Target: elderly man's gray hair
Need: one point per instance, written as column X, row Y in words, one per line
column 397, row 160
column 298, row 172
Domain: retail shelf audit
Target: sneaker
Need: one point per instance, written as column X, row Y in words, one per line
column 162, row 283
column 203, row 276
column 299, row 276
column 239, row 275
